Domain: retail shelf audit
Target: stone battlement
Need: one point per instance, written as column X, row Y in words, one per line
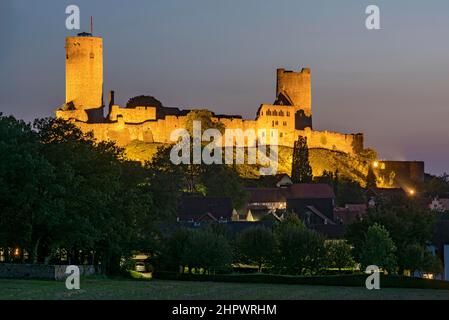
column 158, row 131
column 290, row 114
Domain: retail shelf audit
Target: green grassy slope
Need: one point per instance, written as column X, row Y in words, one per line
column 354, row 167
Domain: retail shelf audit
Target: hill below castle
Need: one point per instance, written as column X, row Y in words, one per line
column 354, row 167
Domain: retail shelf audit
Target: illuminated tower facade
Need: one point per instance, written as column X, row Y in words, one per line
column 84, row 71
column 296, row 87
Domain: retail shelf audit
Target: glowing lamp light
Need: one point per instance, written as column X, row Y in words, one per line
column 376, row 164
column 412, row 192
column 16, row 252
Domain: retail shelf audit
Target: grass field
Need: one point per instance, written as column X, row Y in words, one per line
column 100, row 289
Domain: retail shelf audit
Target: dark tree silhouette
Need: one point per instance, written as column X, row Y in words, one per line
column 371, row 180
column 301, row 169
column 143, row 101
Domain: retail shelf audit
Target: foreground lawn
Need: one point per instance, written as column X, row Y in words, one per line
column 164, row 289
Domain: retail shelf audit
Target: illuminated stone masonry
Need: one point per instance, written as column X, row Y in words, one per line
column 290, row 114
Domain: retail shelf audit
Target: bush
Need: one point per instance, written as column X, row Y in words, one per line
column 199, row 249
column 300, row 250
column 256, row 246
column 339, row 255
column 378, row 249
column 207, row 250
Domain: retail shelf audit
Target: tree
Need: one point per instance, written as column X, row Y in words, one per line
column 223, row 181
column 406, row 224
column 371, row 179
column 256, row 245
column 205, row 117
column 165, row 181
column 89, row 176
column 144, row 101
column 300, row 250
column 436, row 186
column 171, row 256
column 301, row 169
column 28, row 191
column 378, row 249
column 419, row 258
column 346, row 190
column 63, row 193
column 339, row 254
column 207, row 250
column 431, row 263
column 170, row 180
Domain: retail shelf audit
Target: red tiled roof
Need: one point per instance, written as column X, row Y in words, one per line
column 311, row 191
column 295, row 191
column 264, row 195
column 350, row 213
column 197, row 207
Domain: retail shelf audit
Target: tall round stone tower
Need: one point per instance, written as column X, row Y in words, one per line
column 84, row 71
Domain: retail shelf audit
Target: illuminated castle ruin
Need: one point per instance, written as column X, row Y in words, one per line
column 290, row 114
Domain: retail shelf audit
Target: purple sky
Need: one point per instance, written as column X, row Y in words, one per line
column 391, row 84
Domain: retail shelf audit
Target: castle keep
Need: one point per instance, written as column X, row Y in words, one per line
column 150, row 121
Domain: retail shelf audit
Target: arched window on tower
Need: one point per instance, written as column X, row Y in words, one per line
column 281, row 113
column 268, row 112
column 275, row 113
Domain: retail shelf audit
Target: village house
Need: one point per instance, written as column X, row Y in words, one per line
column 197, row 209
column 439, row 205
column 349, row 213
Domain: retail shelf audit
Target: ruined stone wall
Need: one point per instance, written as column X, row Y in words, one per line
column 348, row 143
column 159, row 131
column 80, row 115
column 84, row 71
column 403, row 174
column 123, row 133
column 133, row 115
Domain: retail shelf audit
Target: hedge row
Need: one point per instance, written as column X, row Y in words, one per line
column 330, row 280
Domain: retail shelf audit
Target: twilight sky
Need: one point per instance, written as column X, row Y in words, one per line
column 391, row 84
